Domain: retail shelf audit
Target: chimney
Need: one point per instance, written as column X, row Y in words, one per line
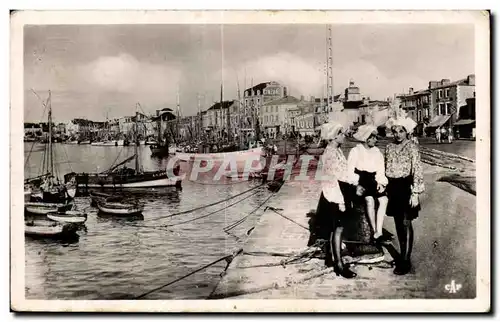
column 157, row 112
column 285, row 91
column 433, row 84
column 445, row 81
column 410, row 91
column 471, row 79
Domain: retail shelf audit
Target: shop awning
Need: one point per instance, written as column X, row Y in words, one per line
column 464, row 122
column 439, row 120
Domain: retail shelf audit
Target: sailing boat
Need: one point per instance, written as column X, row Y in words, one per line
column 127, row 178
column 51, row 189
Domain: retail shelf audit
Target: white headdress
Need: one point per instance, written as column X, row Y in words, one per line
column 364, row 132
column 405, row 122
column 330, row 130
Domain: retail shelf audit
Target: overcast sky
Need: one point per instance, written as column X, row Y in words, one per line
column 94, row 71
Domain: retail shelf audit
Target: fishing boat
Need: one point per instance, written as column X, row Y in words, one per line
column 84, row 142
column 47, row 187
column 120, row 208
column 70, row 216
column 49, row 229
column 43, row 208
column 123, row 178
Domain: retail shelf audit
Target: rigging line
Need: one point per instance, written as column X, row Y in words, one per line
column 34, row 142
column 240, row 221
column 227, row 258
column 209, row 205
column 67, row 158
column 213, row 212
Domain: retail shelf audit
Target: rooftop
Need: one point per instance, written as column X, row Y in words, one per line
column 283, row 100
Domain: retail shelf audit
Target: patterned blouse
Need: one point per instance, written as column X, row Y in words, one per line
column 400, row 164
column 334, row 169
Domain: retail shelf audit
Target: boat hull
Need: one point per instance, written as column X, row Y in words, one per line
column 145, row 180
column 73, row 217
column 40, row 208
column 117, row 209
column 49, row 229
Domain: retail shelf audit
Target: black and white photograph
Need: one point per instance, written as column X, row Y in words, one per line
column 217, row 161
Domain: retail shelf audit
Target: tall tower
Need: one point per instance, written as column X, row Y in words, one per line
column 329, row 68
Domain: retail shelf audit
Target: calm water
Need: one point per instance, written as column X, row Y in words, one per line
column 113, row 259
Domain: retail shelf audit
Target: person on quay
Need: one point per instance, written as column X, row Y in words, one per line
column 334, row 203
column 438, row 135
column 366, row 168
column 403, row 170
column 450, row 135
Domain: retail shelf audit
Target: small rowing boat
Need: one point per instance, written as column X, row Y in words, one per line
column 42, row 208
column 71, row 216
column 120, row 208
column 50, row 229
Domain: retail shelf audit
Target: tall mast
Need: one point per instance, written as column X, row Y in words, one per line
column 239, row 111
column 199, row 118
column 178, row 116
column 221, row 109
column 51, row 158
column 329, row 68
column 135, row 141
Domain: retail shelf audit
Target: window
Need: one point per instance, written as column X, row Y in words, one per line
column 440, row 93
column 447, row 109
column 266, row 109
column 447, row 92
column 419, row 116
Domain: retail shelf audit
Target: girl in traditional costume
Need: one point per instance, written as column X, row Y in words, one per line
column 367, row 172
column 403, row 170
column 334, row 203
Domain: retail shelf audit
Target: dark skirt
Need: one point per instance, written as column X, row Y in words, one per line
column 328, row 214
column 367, row 181
column 399, row 194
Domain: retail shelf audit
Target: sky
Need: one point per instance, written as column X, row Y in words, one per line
column 103, row 71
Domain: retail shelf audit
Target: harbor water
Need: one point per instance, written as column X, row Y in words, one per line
column 123, row 258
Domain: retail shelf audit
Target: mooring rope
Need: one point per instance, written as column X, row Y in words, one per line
column 206, row 206
column 276, row 211
column 240, row 221
column 227, row 258
column 211, row 213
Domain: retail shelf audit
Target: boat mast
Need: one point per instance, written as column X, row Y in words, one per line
column 51, row 158
column 178, row 117
column 239, row 111
column 199, row 118
column 135, row 142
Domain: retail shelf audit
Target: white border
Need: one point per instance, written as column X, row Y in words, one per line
column 480, row 19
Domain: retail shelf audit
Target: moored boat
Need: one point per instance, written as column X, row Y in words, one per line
column 120, row 208
column 43, row 208
column 70, row 216
column 49, row 229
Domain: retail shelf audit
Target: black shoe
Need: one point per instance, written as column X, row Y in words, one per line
column 402, row 268
column 344, row 272
column 382, row 240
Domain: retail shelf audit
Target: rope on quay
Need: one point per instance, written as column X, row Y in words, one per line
column 275, row 285
column 242, row 220
column 227, row 258
column 289, row 219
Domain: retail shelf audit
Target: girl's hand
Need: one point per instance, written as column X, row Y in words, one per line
column 360, row 190
column 380, row 188
column 414, row 200
column 342, row 207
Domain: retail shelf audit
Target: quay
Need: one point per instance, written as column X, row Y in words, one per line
column 444, row 251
